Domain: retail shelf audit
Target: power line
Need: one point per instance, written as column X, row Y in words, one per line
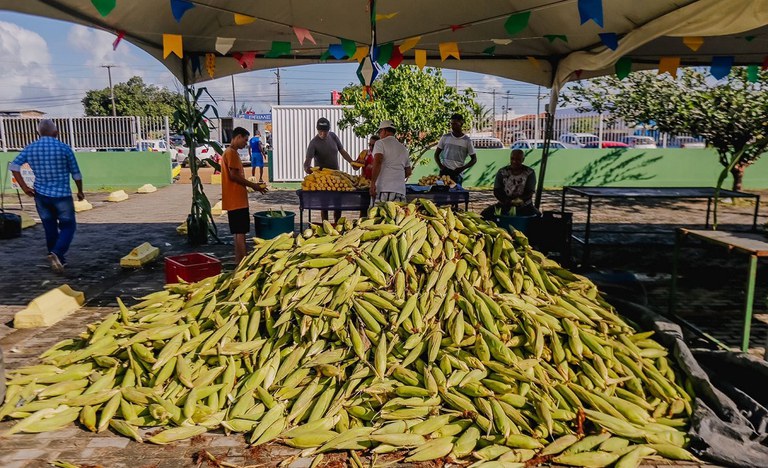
column 111, row 89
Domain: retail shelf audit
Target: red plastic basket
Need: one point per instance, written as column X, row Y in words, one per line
column 190, row 267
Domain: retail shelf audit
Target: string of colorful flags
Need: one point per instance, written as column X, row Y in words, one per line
column 393, row 55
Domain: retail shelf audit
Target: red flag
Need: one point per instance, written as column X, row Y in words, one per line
column 120, row 36
column 456, row 27
column 397, row 57
column 765, row 63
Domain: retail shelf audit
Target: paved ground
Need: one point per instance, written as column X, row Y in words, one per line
column 711, row 290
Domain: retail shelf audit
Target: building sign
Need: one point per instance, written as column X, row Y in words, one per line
column 259, row 117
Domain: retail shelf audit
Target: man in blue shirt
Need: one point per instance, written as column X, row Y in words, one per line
column 52, row 162
column 256, row 150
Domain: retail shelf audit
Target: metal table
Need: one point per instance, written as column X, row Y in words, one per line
column 752, row 244
column 360, row 200
column 678, row 193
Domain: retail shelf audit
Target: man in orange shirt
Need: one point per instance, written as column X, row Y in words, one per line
column 234, row 194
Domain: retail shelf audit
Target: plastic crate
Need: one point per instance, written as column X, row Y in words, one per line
column 190, row 267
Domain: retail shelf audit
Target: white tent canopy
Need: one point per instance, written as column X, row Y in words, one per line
column 647, row 30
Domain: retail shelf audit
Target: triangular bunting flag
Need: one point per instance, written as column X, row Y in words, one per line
column 534, row 61
column 502, row 41
column 302, row 34
column 610, row 40
column 197, row 69
column 179, row 7
column 245, row 59
column 397, row 57
column 623, row 67
column 749, row 38
column 279, row 48
column 553, row 37
column 383, row 53
column 325, row 55
column 669, row 65
column 172, row 44
column 337, row 51
column 449, row 49
column 490, row 50
column 456, row 27
column 243, row 19
column 591, row 10
column 753, row 73
column 350, row 47
column 104, row 7
column 224, row 44
column 409, row 44
column 388, row 16
column 120, row 36
column 421, row 58
column 765, row 64
column 360, row 53
column 517, row 22
column 210, row 64
column 721, row 66
column 693, row 42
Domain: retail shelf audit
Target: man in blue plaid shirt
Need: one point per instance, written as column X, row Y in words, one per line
column 52, row 162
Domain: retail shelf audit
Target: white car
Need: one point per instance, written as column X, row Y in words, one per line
column 155, row 146
column 203, row 152
column 578, row 140
column 536, row 144
column 687, row 142
column 639, row 142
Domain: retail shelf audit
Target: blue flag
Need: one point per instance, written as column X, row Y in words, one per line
column 721, row 66
column 611, row 40
column 179, row 7
column 591, row 10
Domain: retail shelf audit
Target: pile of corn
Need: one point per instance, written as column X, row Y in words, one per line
column 417, row 330
column 432, row 180
column 332, row 180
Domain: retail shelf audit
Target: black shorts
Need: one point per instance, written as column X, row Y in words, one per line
column 239, row 221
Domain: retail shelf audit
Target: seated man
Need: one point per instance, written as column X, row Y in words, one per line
column 514, row 187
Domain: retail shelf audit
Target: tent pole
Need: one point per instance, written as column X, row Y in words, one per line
column 548, row 133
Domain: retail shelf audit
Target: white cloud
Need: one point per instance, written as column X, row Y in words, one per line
column 97, row 45
column 26, row 74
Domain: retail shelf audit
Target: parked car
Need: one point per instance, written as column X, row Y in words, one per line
column 686, row 142
column 607, row 144
column 640, row 142
column 484, row 142
column 203, row 153
column 578, row 140
column 536, row 144
column 156, row 146
column 245, row 158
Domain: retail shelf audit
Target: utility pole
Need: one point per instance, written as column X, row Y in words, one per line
column 234, row 99
column 457, row 80
column 493, row 115
column 506, row 111
column 277, row 74
column 111, row 89
column 537, row 129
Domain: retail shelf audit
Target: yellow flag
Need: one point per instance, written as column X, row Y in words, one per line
column 449, row 49
column 669, row 64
column 534, row 61
column 421, row 58
column 382, row 16
column 172, row 44
column 243, row 19
column 409, row 44
column 694, row 42
column 210, row 64
column 360, row 53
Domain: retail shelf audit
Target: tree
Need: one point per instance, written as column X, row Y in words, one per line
column 133, row 98
column 482, row 118
column 419, row 102
column 731, row 114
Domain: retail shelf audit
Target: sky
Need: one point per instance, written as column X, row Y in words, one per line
column 48, row 65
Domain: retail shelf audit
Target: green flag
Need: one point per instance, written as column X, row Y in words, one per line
column 104, row 7
column 517, row 22
column 350, row 47
column 279, row 48
column 753, row 73
column 553, row 37
column 490, row 50
column 385, row 53
column 623, row 67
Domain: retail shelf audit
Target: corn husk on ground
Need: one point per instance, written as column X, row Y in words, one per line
column 417, row 330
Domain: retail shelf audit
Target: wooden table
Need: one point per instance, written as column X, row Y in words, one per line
column 753, row 244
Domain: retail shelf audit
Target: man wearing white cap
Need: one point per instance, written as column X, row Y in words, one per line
column 391, row 166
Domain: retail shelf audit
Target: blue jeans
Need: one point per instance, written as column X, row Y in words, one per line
column 58, row 217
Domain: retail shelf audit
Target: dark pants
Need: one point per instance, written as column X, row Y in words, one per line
column 58, row 217
column 455, row 175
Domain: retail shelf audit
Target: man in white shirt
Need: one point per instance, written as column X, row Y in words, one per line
column 391, row 166
column 453, row 149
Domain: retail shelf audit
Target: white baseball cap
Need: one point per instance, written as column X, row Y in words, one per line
column 386, row 124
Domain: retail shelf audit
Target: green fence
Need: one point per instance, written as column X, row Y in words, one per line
column 629, row 168
column 107, row 170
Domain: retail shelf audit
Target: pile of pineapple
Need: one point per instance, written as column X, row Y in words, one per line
column 333, row 180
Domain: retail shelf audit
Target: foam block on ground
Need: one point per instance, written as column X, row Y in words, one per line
column 181, row 229
column 147, row 188
column 216, row 209
column 216, row 179
column 49, row 308
column 27, row 221
column 117, row 196
column 82, row 205
column 140, row 256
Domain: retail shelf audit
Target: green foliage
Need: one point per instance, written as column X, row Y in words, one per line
column 419, row 102
column 133, row 98
column 482, row 118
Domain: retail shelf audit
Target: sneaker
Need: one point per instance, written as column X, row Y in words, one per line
column 56, row 264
